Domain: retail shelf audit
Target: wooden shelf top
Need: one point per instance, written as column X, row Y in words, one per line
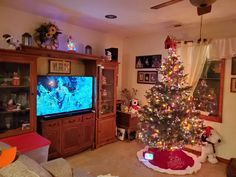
column 36, row 51
column 58, row 53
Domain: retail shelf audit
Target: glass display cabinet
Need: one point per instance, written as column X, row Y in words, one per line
column 208, row 94
column 17, row 88
column 107, row 83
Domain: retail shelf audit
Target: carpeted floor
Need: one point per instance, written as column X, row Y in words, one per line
column 119, row 159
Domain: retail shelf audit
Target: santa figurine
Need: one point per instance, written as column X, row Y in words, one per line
column 134, row 107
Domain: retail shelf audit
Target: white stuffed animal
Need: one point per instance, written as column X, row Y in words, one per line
column 13, row 43
column 209, row 138
column 134, row 107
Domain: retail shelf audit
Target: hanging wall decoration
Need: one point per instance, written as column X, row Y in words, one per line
column 147, row 77
column 233, row 85
column 148, row 61
column 46, row 36
column 59, row 67
column 233, row 67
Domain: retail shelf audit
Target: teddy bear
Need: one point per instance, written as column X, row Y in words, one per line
column 134, row 107
column 209, row 138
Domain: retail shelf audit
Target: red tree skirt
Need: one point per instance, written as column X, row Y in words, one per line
column 171, row 162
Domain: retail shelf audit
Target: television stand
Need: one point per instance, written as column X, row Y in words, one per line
column 68, row 135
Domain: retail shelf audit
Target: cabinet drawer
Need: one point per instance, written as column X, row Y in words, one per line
column 88, row 117
column 71, row 120
column 50, row 124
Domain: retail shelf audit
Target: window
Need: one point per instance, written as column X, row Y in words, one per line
column 208, row 94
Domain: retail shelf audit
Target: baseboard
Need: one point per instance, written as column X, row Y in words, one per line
column 198, row 153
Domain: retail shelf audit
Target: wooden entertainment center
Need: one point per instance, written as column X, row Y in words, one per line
column 68, row 135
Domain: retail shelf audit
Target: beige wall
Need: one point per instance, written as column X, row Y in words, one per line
column 154, row 44
column 16, row 23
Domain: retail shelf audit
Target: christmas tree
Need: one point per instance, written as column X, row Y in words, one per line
column 169, row 120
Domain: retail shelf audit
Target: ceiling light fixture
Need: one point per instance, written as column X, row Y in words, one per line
column 111, row 16
column 200, row 39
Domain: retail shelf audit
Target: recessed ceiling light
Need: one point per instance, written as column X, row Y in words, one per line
column 111, row 16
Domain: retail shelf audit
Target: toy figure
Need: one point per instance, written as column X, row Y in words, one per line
column 134, row 107
column 209, row 138
column 13, row 43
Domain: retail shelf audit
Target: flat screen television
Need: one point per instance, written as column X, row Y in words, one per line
column 60, row 95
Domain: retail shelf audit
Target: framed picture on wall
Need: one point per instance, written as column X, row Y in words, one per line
column 233, row 67
column 147, row 77
column 59, row 67
column 148, row 61
column 233, row 85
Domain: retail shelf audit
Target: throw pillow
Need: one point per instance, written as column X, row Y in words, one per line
column 58, row 168
column 17, row 169
column 33, row 166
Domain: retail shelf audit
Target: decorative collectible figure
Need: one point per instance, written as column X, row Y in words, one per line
column 134, row 107
column 11, row 105
column 13, row 43
column 209, row 138
column 15, row 79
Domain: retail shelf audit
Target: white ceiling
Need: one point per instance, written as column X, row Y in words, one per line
column 134, row 16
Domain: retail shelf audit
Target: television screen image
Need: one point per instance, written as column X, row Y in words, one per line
column 63, row 94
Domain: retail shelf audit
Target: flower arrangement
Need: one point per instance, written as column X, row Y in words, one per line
column 128, row 95
column 46, row 36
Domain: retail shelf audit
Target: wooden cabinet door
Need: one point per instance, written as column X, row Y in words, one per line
column 51, row 131
column 17, row 86
column 71, row 135
column 107, row 82
column 106, row 130
column 88, row 130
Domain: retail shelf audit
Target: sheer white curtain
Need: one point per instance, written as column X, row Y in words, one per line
column 222, row 48
column 194, row 56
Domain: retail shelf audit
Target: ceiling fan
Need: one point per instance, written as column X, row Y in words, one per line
column 203, row 6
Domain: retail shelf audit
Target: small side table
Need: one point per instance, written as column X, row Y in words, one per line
column 127, row 121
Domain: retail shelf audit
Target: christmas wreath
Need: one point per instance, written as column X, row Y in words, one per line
column 46, row 36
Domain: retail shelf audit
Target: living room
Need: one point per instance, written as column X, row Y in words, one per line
column 85, row 29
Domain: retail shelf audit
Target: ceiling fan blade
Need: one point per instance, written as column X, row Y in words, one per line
column 203, row 10
column 164, row 4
